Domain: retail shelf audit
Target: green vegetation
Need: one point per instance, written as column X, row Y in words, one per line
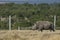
column 26, row 14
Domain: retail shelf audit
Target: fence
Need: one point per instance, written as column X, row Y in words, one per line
column 18, row 23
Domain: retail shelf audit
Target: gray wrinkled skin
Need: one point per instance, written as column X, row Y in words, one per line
column 43, row 25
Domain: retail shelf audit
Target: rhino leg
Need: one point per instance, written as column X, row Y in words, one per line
column 52, row 29
column 40, row 29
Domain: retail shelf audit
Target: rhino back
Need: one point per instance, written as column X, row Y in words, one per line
column 45, row 24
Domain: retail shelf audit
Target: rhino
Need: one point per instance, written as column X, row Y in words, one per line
column 43, row 25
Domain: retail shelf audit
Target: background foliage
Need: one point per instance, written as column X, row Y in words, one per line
column 26, row 14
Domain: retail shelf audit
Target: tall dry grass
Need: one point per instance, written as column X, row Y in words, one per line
column 29, row 35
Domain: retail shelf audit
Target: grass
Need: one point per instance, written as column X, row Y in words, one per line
column 29, row 35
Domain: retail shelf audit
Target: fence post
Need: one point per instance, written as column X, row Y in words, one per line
column 54, row 21
column 18, row 28
column 10, row 22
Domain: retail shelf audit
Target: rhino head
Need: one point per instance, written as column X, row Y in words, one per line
column 34, row 27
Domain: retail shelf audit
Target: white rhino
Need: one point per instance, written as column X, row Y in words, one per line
column 43, row 25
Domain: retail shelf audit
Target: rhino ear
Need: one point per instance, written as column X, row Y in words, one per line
column 34, row 24
column 37, row 22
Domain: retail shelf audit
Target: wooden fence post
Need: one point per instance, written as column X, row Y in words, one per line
column 54, row 22
column 18, row 28
column 10, row 22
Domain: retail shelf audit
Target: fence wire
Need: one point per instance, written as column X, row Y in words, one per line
column 19, row 23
